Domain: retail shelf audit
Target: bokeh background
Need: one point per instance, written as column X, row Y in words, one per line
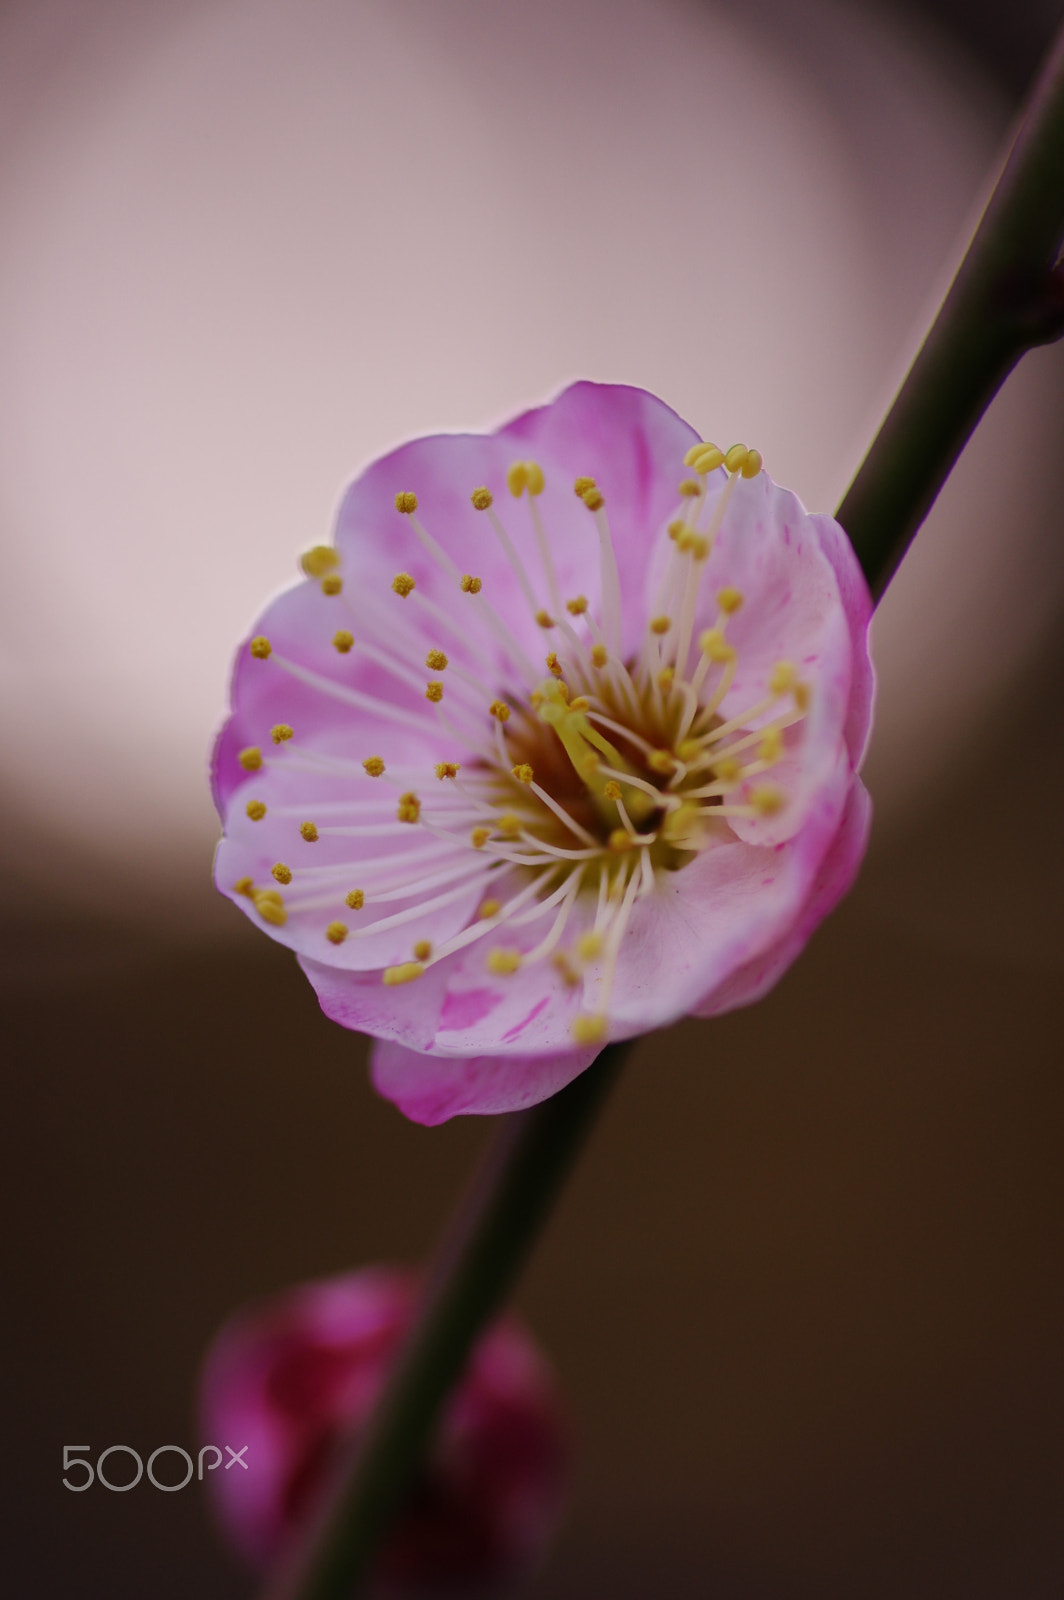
column 804, row 1292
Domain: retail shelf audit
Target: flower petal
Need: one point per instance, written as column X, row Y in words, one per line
column 633, row 445
column 834, row 879
column 432, row 1088
column 857, row 605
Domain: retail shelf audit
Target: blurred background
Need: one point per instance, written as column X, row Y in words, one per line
column 804, row 1293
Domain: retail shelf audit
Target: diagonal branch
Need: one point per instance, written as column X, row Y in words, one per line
column 1007, row 297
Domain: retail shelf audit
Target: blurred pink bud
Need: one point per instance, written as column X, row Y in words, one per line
column 294, row 1377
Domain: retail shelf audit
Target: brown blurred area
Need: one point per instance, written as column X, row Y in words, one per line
column 804, row 1292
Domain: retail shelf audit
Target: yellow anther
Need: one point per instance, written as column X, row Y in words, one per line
column 488, row 908
column 343, row 641
column 468, row 584
column 686, row 539
column 251, row 758
column 270, row 910
column 355, row 898
column 577, row 607
column 336, row 932
column 729, row 601
column 593, row 498
column 553, row 664
column 694, row 451
column 589, row 1028
column 534, row 478
column 243, row 886
column 500, row 710
column 599, row 655
column 332, row 584
column 620, row 840
column 517, row 479
column 707, row 460
column 676, row 529
column 435, row 661
column 272, row 896
column 260, row 647
column 544, row 619
column 536, row 699
column 482, row 498
column 318, row 560
column 562, row 965
column 282, row 873
column 688, row 749
column 612, row 791
column 712, row 643
column 373, row 766
column 403, row 584
column 406, row 502
column 582, row 485
column 665, row 677
column 735, row 458
column 752, row 465
column 699, row 546
column 423, row 949
column 728, row 769
column 661, row 761
column 509, row 825
column 281, row 733
column 409, row 809
column 309, row 832
column 802, row 695
column 771, row 746
column 255, row 810
column 523, row 772
column 689, row 488
column 767, row 800
column 503, row 962
column 405, row 972
column 581, row 703
column 447, row 769
column 479, row 837
column 434, row 692
column 782, row 677
column 660, row 624
column 589, row 945
column 561, row 689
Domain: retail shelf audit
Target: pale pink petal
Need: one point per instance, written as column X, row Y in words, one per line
column 857, row 604
column 432, row 1088
column 376, row 542
column 834, row 879
column 717, row 914
column 633, row 445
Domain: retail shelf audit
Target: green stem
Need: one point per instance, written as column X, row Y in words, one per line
column 1007, row 297
column 482, row 1253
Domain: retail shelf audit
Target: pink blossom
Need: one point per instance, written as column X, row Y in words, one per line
column 292, row 1378
column 557, row 744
